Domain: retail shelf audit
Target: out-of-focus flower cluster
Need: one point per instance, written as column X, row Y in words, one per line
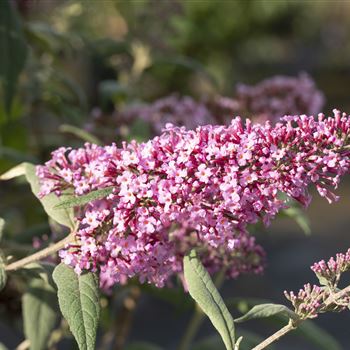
column 268, row 100
column 193, row 188
column 313, row 300
column 279, row 96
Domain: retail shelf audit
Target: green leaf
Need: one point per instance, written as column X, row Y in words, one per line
column 64, row 216
column 13, row 51
column 267, row 310
column 2, row 225
column 3, row 276
column 204, row 292
column 40, row 308
column 142, row 346
column 78, row 297
column 82, row 200
column 80, row 133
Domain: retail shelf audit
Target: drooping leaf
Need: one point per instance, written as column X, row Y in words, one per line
column 13, row 51
column 78, row 298
column 64, row 216
column 80, row 133
column 3, row 276
column 39, row 305
column 204, row 292
column 142, row 346
column 82, row 200
column 267, row 310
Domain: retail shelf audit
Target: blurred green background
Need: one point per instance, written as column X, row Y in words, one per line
column 63, row 61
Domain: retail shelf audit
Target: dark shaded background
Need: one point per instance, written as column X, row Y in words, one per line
column 84, row 57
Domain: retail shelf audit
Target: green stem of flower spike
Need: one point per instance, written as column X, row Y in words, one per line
column 40, row 254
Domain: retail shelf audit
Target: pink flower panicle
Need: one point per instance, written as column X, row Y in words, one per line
column 309, row 301
column 331, row 270
column 190, row 188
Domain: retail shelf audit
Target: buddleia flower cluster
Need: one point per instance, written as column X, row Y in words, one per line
column 193, row 188
column 313, row 300
column 268, row 100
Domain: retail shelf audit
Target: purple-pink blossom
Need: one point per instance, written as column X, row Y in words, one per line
column 193, row 188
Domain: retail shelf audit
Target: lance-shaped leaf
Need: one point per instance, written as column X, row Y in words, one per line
column 40, row 308
column 64, row 216
column 204, row 292
column 87, row 198
column 78, row 298
column 267, row 310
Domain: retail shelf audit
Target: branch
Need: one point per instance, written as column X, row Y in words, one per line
column 333, row 298
column 276, row 336
column 294, row 324
column 40, row 254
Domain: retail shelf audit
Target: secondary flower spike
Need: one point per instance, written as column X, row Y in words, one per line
column 193, row 188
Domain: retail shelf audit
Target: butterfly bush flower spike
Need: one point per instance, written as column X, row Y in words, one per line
column 193, row 188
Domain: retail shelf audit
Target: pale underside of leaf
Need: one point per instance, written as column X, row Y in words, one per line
column 204, row 292
column 267, row 310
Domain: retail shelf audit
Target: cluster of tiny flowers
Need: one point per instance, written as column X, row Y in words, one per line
column 190, row 188
column 309, row 301
column 331, row 270
column 267, row 100
column 313, row 300
column 280, row 95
